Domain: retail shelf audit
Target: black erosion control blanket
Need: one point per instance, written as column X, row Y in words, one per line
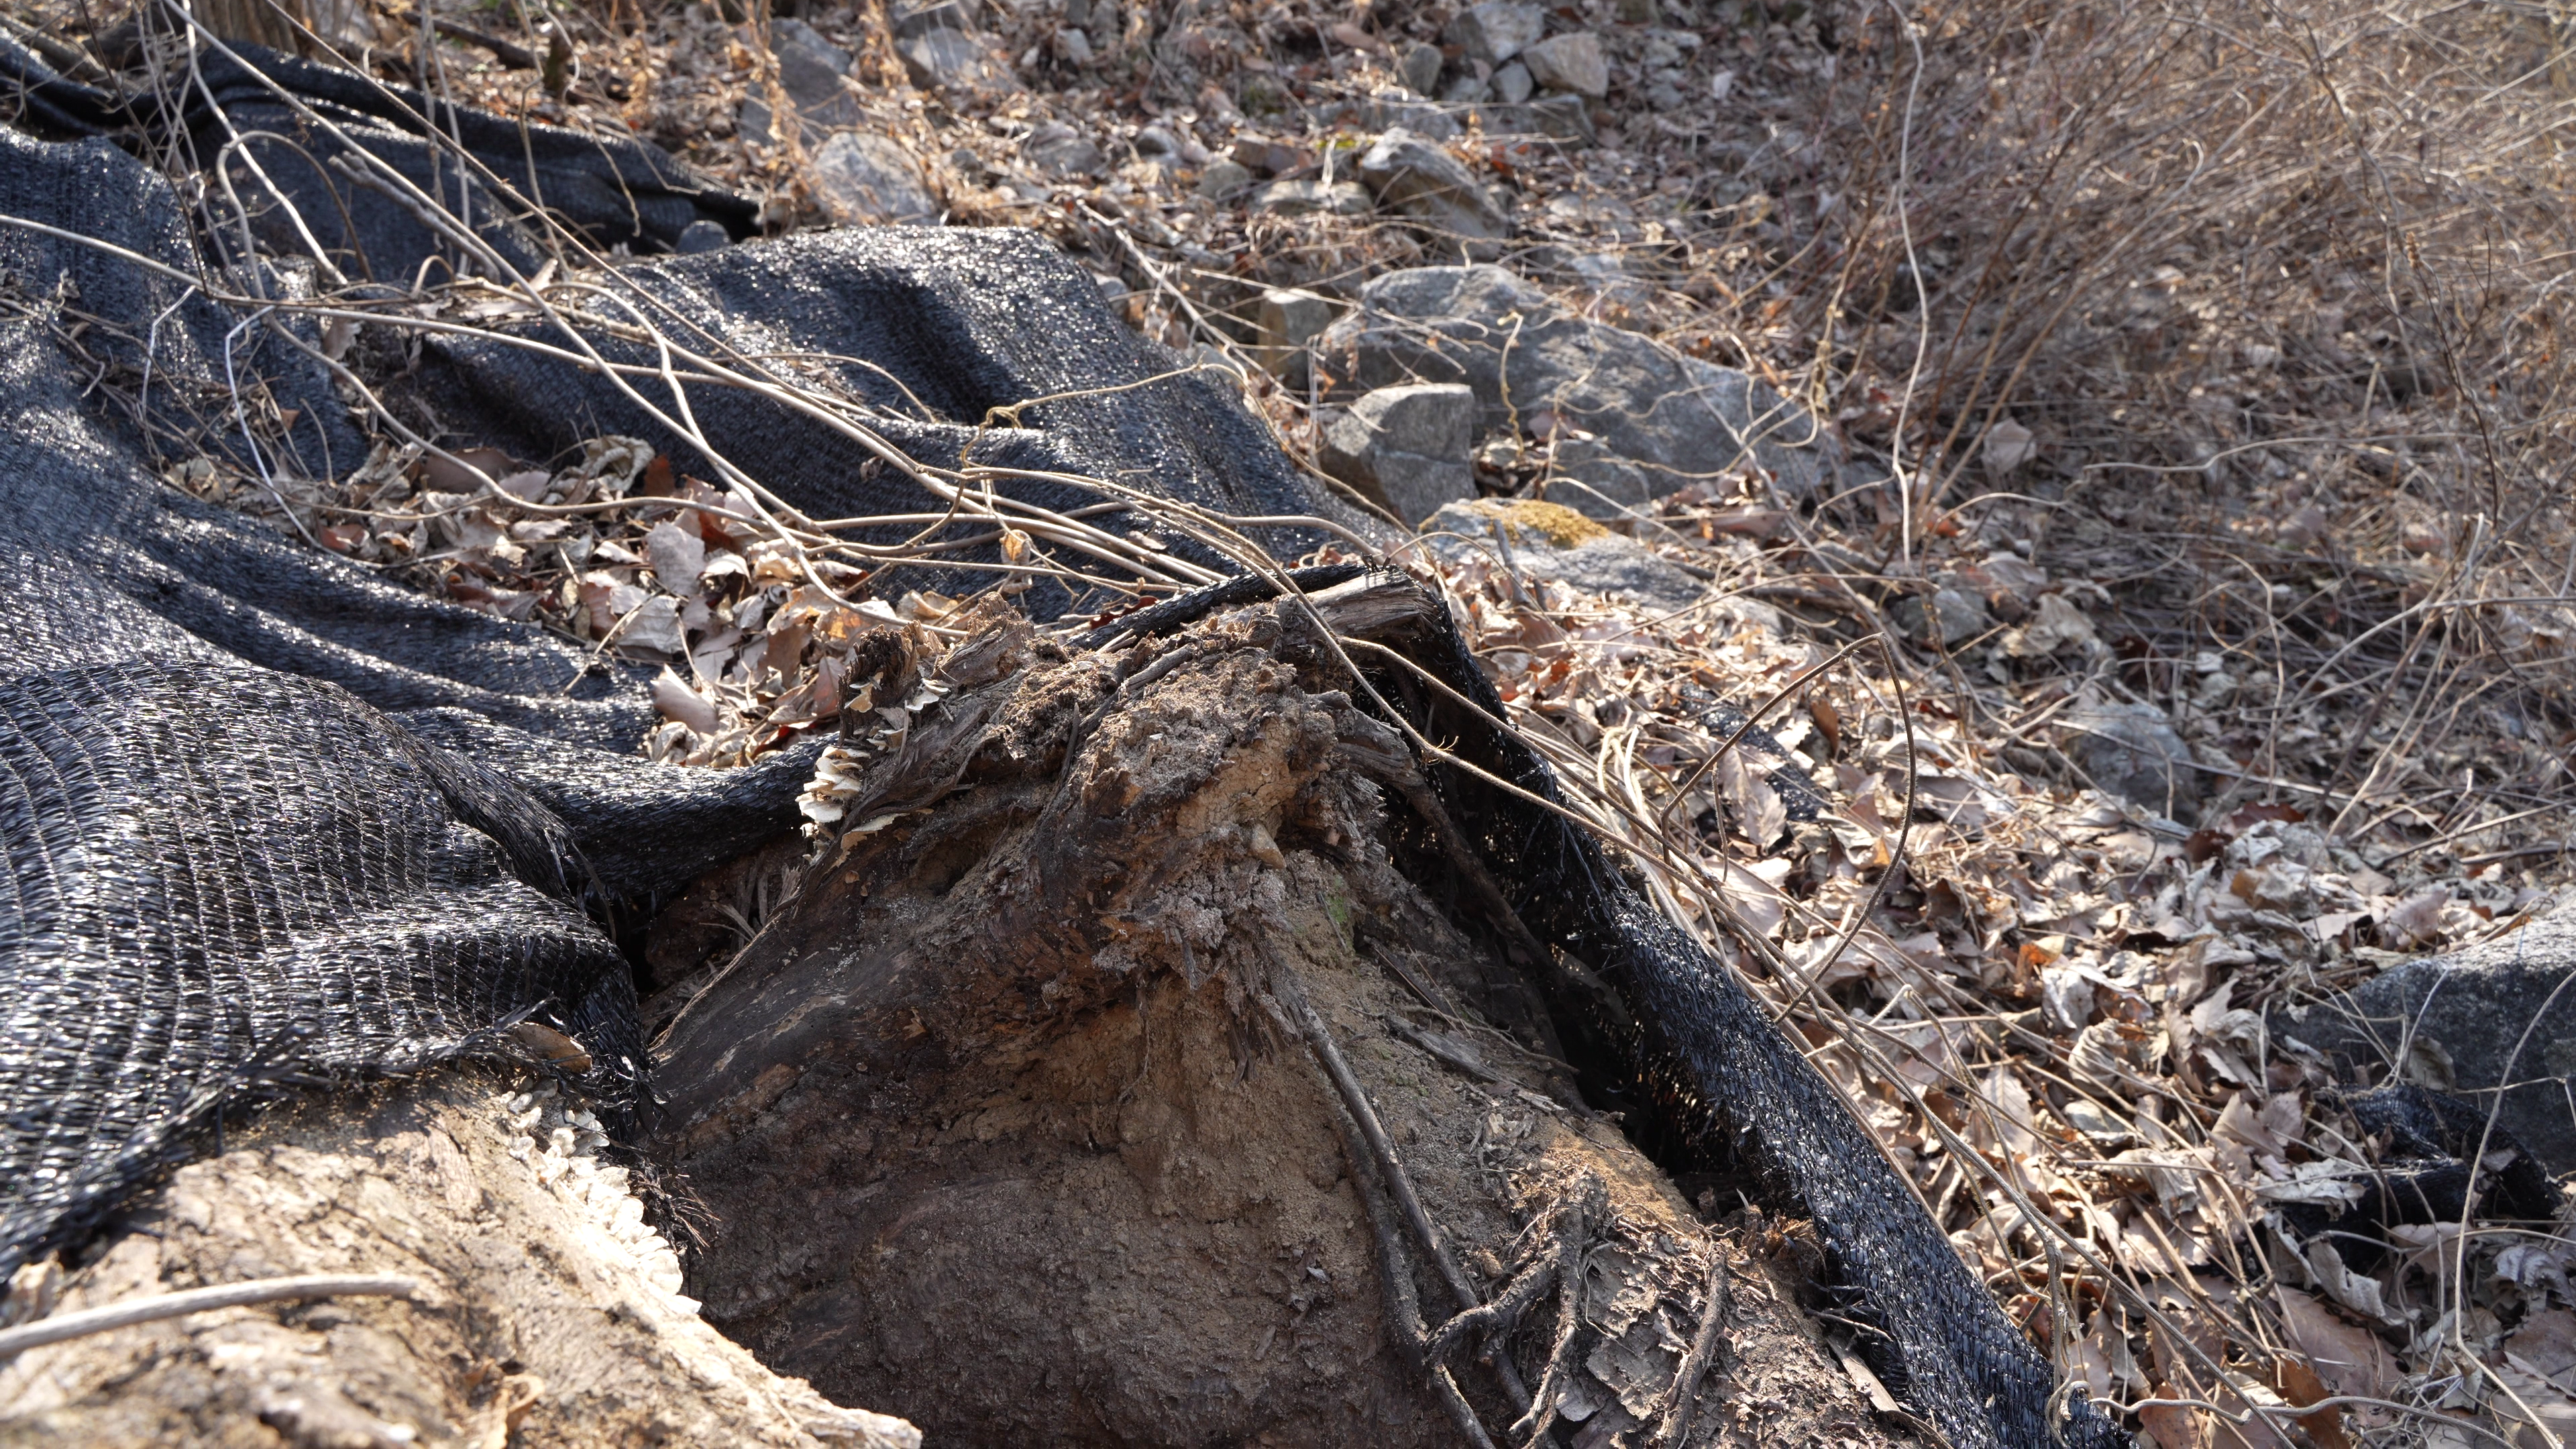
column 269, row 818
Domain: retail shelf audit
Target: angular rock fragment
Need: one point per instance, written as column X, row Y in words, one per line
column 2132, row 751
column 1307, row 197
column 860, row 177
column 1570, row 63
column 1496, row 30
column 1061, row 151
column 941, row 49
column 1287, row 321
column 1955, row 616
column 1415, row 178
column 1677, row 418
column 1406, row 447
column 1421, row 68
column 811, row 70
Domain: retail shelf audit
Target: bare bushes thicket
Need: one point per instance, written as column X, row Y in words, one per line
column 2249, row 313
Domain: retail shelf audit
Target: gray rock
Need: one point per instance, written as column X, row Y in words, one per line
column 1060, row 151
column 1595, row 482
column 1405, row 447
column 1421, row 68
column 1466, row 90
column 1676, row 417
column 952, row 56
column 1496, row 30
column 1559, row 118
column 1307, row 197
column 703, row 235
column 1286, row 322
column 810, row 70
column 1606, row 275
column 2457, row 1023
column 754, row 122
column 1547, row 541
column 862, row 178
column 1074, row 44
column 1225, row 179
column 1415, row 178
column 912, row 20
column 1955, row 614
column 1513, row 84
column 1390, row 109
column 2131, row 751
column 1570, row 63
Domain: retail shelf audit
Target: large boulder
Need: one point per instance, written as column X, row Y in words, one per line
column 1677, row 418
column 2500, row 1012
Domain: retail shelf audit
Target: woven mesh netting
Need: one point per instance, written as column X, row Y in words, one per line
column 269, row 818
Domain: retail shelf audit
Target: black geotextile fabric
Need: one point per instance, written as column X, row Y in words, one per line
column 269, row 818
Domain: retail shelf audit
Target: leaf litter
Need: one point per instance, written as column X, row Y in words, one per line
column 2047, row 1002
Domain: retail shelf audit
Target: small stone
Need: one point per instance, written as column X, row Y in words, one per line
column 1466, row 90
column 913, row 20
column 1497, row 30
column 1406, row 447
column 1414, row 178
column 810, row 70
column 754, row 122
column 702, row 235
column 2094, row 1123
column 1513, row 84
column 2132, row 751
column 1073, row 45
column 1224, row 179
column 945, row 53
column 1570, row 63
column 1307, row 198
column 1267, row 157
column 1062, row 152
column 1392, row 108
column 1287, row 321
column 1559, row 118
column 1959, row 615
column 860, row 178
column 1421, row 68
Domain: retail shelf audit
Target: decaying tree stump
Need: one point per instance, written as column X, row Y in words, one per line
column 1006, row 1121
column 1107, row 1082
